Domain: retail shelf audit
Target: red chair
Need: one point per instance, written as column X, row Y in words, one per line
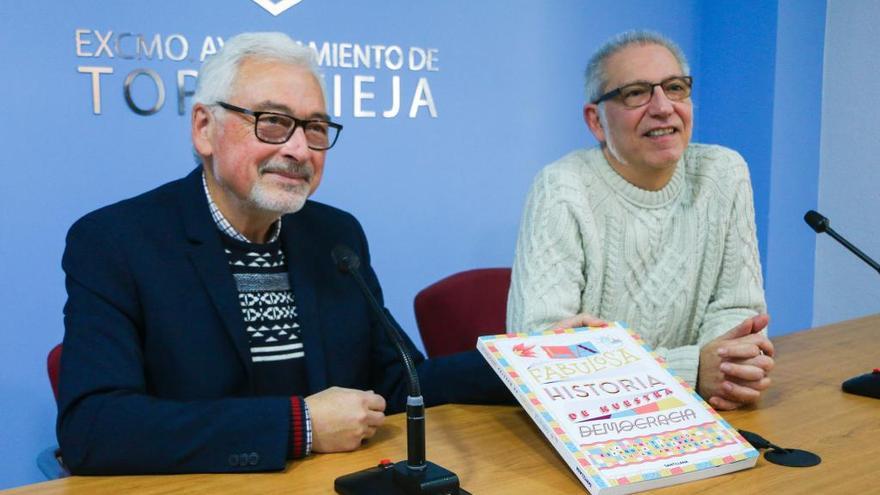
column 453, row 312
column 49, row 460
column 53, row 364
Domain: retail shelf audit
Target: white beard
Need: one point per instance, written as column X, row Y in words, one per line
column 286, row 199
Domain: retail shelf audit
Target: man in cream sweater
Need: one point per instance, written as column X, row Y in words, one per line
column 649, row 229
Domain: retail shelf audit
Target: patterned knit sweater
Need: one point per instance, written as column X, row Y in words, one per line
column 679, row 265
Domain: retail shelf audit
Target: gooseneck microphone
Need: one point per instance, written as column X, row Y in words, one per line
column 868, row 384
column 348, row 262
column 416, row 475
column 820, row 224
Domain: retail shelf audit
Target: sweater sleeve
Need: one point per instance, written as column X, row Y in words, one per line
column 683, row 361
column 548, row 273
column 739, row 292
column 300, row 444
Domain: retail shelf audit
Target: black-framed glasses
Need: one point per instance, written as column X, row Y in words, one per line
column 276, row 128
column 676, row 88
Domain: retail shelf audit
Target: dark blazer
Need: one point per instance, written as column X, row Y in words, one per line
column 156, row 370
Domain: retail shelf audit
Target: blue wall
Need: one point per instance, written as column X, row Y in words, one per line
column 435, row 194
column 735, row 109
column 794, row 179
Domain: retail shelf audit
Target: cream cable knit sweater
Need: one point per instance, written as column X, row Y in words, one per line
column 679, row 265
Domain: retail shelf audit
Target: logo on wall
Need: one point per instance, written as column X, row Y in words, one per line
column 276, row 7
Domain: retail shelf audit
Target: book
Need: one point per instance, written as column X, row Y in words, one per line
column 611, row 409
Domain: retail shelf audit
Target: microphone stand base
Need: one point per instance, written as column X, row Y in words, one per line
column 867, row 385
column 394, row 479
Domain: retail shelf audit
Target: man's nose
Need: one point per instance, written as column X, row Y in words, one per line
column 659, row 104
column 297, row 146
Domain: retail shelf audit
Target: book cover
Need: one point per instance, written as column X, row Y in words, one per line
column 618, row 418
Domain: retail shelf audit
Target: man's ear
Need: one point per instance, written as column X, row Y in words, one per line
column 203, row 124
column 591, row 118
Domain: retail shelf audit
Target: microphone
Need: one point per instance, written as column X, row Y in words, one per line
column 416, row 475
column 820, row 224
column 868, row 384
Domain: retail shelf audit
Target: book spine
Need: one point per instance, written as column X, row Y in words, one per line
column 557, row 443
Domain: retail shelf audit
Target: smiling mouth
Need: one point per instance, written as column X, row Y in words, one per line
column 293, row 172
column 664, row 131
column 286, row 175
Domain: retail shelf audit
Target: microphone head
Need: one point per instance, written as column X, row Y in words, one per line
column 817, row 221
column 346, row 260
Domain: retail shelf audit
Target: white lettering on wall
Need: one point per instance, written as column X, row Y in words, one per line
column 366, row 80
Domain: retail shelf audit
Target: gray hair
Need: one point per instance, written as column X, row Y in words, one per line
column 217, row 74
column 596, row 75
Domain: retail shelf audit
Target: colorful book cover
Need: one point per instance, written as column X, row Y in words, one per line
column 611, row 409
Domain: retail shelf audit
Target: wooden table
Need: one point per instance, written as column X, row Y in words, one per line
column 497, row 449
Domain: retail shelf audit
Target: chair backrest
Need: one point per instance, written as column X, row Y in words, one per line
column 53, row 365
column 453, row 312
column 49, row 460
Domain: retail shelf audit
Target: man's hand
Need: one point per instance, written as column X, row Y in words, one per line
column 579, row 320
column 343, row 417
column 734, row 367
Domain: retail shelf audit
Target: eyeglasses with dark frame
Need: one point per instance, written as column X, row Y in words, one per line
column 277, row 128
column 676, row 88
